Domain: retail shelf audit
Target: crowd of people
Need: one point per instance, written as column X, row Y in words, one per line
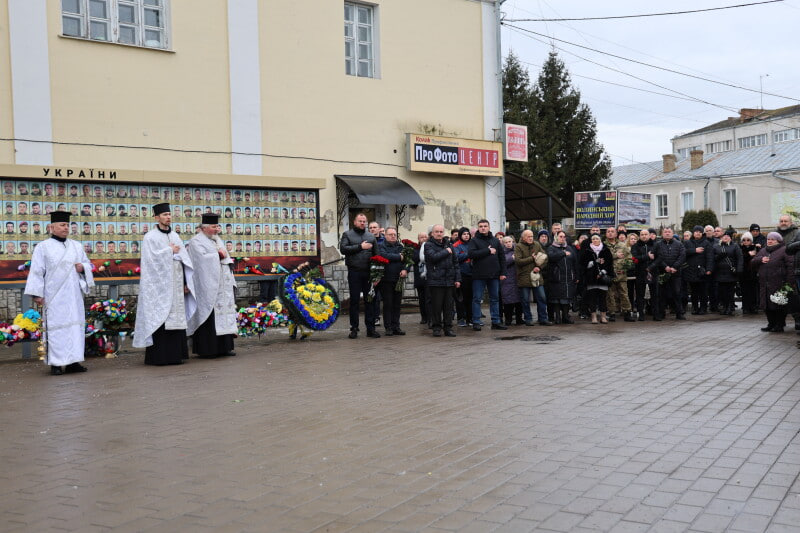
column 604, row 275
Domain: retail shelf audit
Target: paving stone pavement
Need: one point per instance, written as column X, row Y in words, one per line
column 671, row 426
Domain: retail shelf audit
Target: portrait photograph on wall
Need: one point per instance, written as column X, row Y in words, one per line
column 259, row 226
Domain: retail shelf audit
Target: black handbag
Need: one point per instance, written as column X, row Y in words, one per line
column 604, row 279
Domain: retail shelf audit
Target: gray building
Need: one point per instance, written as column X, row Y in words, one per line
column 746, row 169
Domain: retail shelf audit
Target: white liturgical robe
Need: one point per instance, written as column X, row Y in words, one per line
column 53, row 277
column 161, row 297
column 214, row 283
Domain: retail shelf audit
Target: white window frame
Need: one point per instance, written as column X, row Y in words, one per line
column 790, row 134
column 730, row 196
column 115, row 28
column 662, row 211
column 753, row 141
column 684, row 196
column 354, row 63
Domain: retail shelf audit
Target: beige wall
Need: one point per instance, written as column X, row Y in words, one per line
column 431, row 75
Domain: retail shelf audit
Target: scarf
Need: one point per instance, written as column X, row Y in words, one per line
column 596, row 248
column 774, row 247
column 558, row 244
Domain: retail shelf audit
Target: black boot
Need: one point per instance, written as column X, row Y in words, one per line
column 629, row 317
column 555, row 314
column 565, row 318
column 611, row 317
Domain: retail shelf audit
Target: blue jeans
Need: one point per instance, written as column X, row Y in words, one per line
column 541, row 303
column 478, row 285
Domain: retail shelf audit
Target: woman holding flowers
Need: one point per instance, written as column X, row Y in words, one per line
column 775, row 271
column 597, row 264
column 394, row 276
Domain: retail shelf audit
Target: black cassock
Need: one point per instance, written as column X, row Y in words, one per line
column 169, row 347
column 206, row 342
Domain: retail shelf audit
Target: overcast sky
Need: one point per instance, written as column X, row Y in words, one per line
column 736, row 46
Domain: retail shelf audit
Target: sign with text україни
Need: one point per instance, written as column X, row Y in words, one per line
column 595, row 208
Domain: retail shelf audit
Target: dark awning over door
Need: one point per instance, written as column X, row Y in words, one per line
column 381, row 190
column 526, row 200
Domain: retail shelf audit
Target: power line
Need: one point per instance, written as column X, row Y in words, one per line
column 189, row 151
column 646, row 14
column 650, row 65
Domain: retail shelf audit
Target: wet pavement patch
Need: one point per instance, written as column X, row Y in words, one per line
column 539, row 339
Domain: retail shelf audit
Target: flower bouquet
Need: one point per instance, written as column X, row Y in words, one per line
column 409, row 247
column 377, row 266
column 113, row 314
column 664, row 277
column 24, row 327
column 781, row 296
column 255, row 319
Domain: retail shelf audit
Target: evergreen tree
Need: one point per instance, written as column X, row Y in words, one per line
column 564, row 154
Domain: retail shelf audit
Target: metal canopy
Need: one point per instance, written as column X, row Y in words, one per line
column 526, row 200
column 381, row 190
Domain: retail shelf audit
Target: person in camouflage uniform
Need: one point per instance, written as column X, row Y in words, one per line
column 617, row 298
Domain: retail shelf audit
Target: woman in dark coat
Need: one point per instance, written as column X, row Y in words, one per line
column 595, row 262
column 728, row 264
column 748, row 280
column 509, row 292
column 562, row 278
column 464, row 305
column 775, row 269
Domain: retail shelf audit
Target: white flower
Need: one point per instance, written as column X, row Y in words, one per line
column 779, row 298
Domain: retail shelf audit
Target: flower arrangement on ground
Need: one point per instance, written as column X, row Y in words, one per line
column 309, row 302
column 254, row 320
column 781, row 296
column 377, row 266
column 24, row 327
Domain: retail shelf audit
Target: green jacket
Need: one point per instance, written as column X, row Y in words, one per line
column 523, row 259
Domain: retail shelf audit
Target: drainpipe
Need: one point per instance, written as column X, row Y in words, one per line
column 705, row 193
column 502, row 182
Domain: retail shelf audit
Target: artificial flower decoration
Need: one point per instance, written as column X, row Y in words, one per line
column 309, row 301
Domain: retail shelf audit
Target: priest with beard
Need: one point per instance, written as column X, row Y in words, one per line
column 165, row 289
column 212, row 322
column 60, row 274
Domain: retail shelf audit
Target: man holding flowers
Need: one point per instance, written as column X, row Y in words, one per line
column 394, row 276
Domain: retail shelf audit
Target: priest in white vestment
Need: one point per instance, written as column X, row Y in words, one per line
column 165, row 289
column 59, row 276
column 212, row 323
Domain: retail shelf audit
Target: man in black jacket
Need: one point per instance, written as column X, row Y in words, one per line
column 392, row 249
column 643, row 253
column 699, row 266
column 443, row 276
column 670, row 255
column 488, row 269
column 357, row 247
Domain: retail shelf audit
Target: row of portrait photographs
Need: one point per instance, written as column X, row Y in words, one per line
column 86, row 192
column 81, row 229
column 24, row 209
column 127, row 249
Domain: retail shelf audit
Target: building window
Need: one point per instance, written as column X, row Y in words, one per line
column 687, row 202
column 683, row 153
column 787, row 135
column 720, row 146
column 753, row 140
column 662, row 210
column 359, row 40
column 729, row 201
column 134, row 22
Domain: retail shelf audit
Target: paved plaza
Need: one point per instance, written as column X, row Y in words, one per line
column 670, row 426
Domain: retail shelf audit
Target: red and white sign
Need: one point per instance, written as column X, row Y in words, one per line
column 516, row 142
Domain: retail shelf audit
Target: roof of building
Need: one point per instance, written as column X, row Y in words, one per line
column 745, row 116
column 759, row 160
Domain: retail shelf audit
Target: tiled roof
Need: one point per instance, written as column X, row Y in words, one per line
column 735, row 121
column 759, row 160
